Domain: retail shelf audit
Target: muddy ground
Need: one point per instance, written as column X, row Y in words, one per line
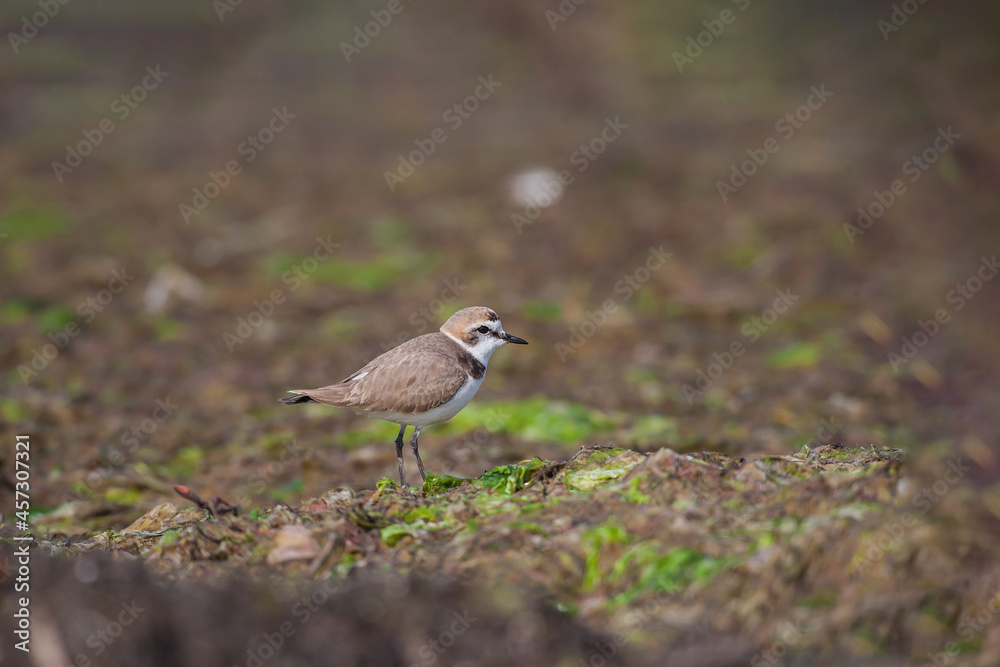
column 754, row 423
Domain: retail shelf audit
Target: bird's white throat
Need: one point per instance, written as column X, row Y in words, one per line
column 483, row 349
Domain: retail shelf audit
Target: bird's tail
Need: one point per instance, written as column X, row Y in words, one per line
column 292, row 400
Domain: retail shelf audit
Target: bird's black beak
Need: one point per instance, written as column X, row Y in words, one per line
column 512, row 339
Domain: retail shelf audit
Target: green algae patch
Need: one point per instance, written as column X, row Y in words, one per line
column 620, row 540
column 510, row 478
column 796, row 355
column 30, row 220
column 385, row 483
column 535, row 418
column 528, row 526
column 668, row 572
column 391, row 266
column 394, row 533
column 601, row 467
column 595, row 541
column 423, row 513
column 625, row 567
column 530, row 508
column 366, row 434
column 844, row 454
column 490, row 504
column 653, row 429
column 435, row 484
column 633, row 495
column 168, row 538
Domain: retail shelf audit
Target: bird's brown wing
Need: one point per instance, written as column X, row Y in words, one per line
column 417, row 376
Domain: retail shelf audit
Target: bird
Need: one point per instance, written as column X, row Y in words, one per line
column 425, row 380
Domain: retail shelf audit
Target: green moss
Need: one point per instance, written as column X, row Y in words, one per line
column 667, row 572
column 33, row 221
column 842, row 454
column 796, row 355
column 488, row 505
column 534, row 418
column 645, row 564
column 531, row 508
column 602, row 467
column 276, row 443
column 542, row 310
column 13, row 411
column 594, row 541
column 633, row 495
column 568, row 608
column 186, row 461
column 389, row 233
column 394, row 265
column 55, row 318
column 168, row 538
column 167, row 328
column 290, row 491
column 529, row 527
column 765, row 541
column 374, row 432
column 491, row 504
column 654, row 429
column 949, row 170
column 39, row 511
column 394, row 533
column 424, row 512
column 341, row 325
column 509, row 478
column 15, row 311
column 123, row 496
column 645, row 300
column 435, row 484
column 386, row 483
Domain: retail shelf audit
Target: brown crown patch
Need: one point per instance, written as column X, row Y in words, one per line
column 467, row 319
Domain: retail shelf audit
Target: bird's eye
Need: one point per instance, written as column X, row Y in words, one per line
column 483, row 329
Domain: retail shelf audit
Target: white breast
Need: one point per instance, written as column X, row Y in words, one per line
column 441, row 413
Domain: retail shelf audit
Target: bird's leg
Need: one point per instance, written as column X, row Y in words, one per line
column 413, row 446
column 399, row 455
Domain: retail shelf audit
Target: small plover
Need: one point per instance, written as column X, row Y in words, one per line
column 426, row 380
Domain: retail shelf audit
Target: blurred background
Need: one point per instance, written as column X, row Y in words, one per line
column 732, row 226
